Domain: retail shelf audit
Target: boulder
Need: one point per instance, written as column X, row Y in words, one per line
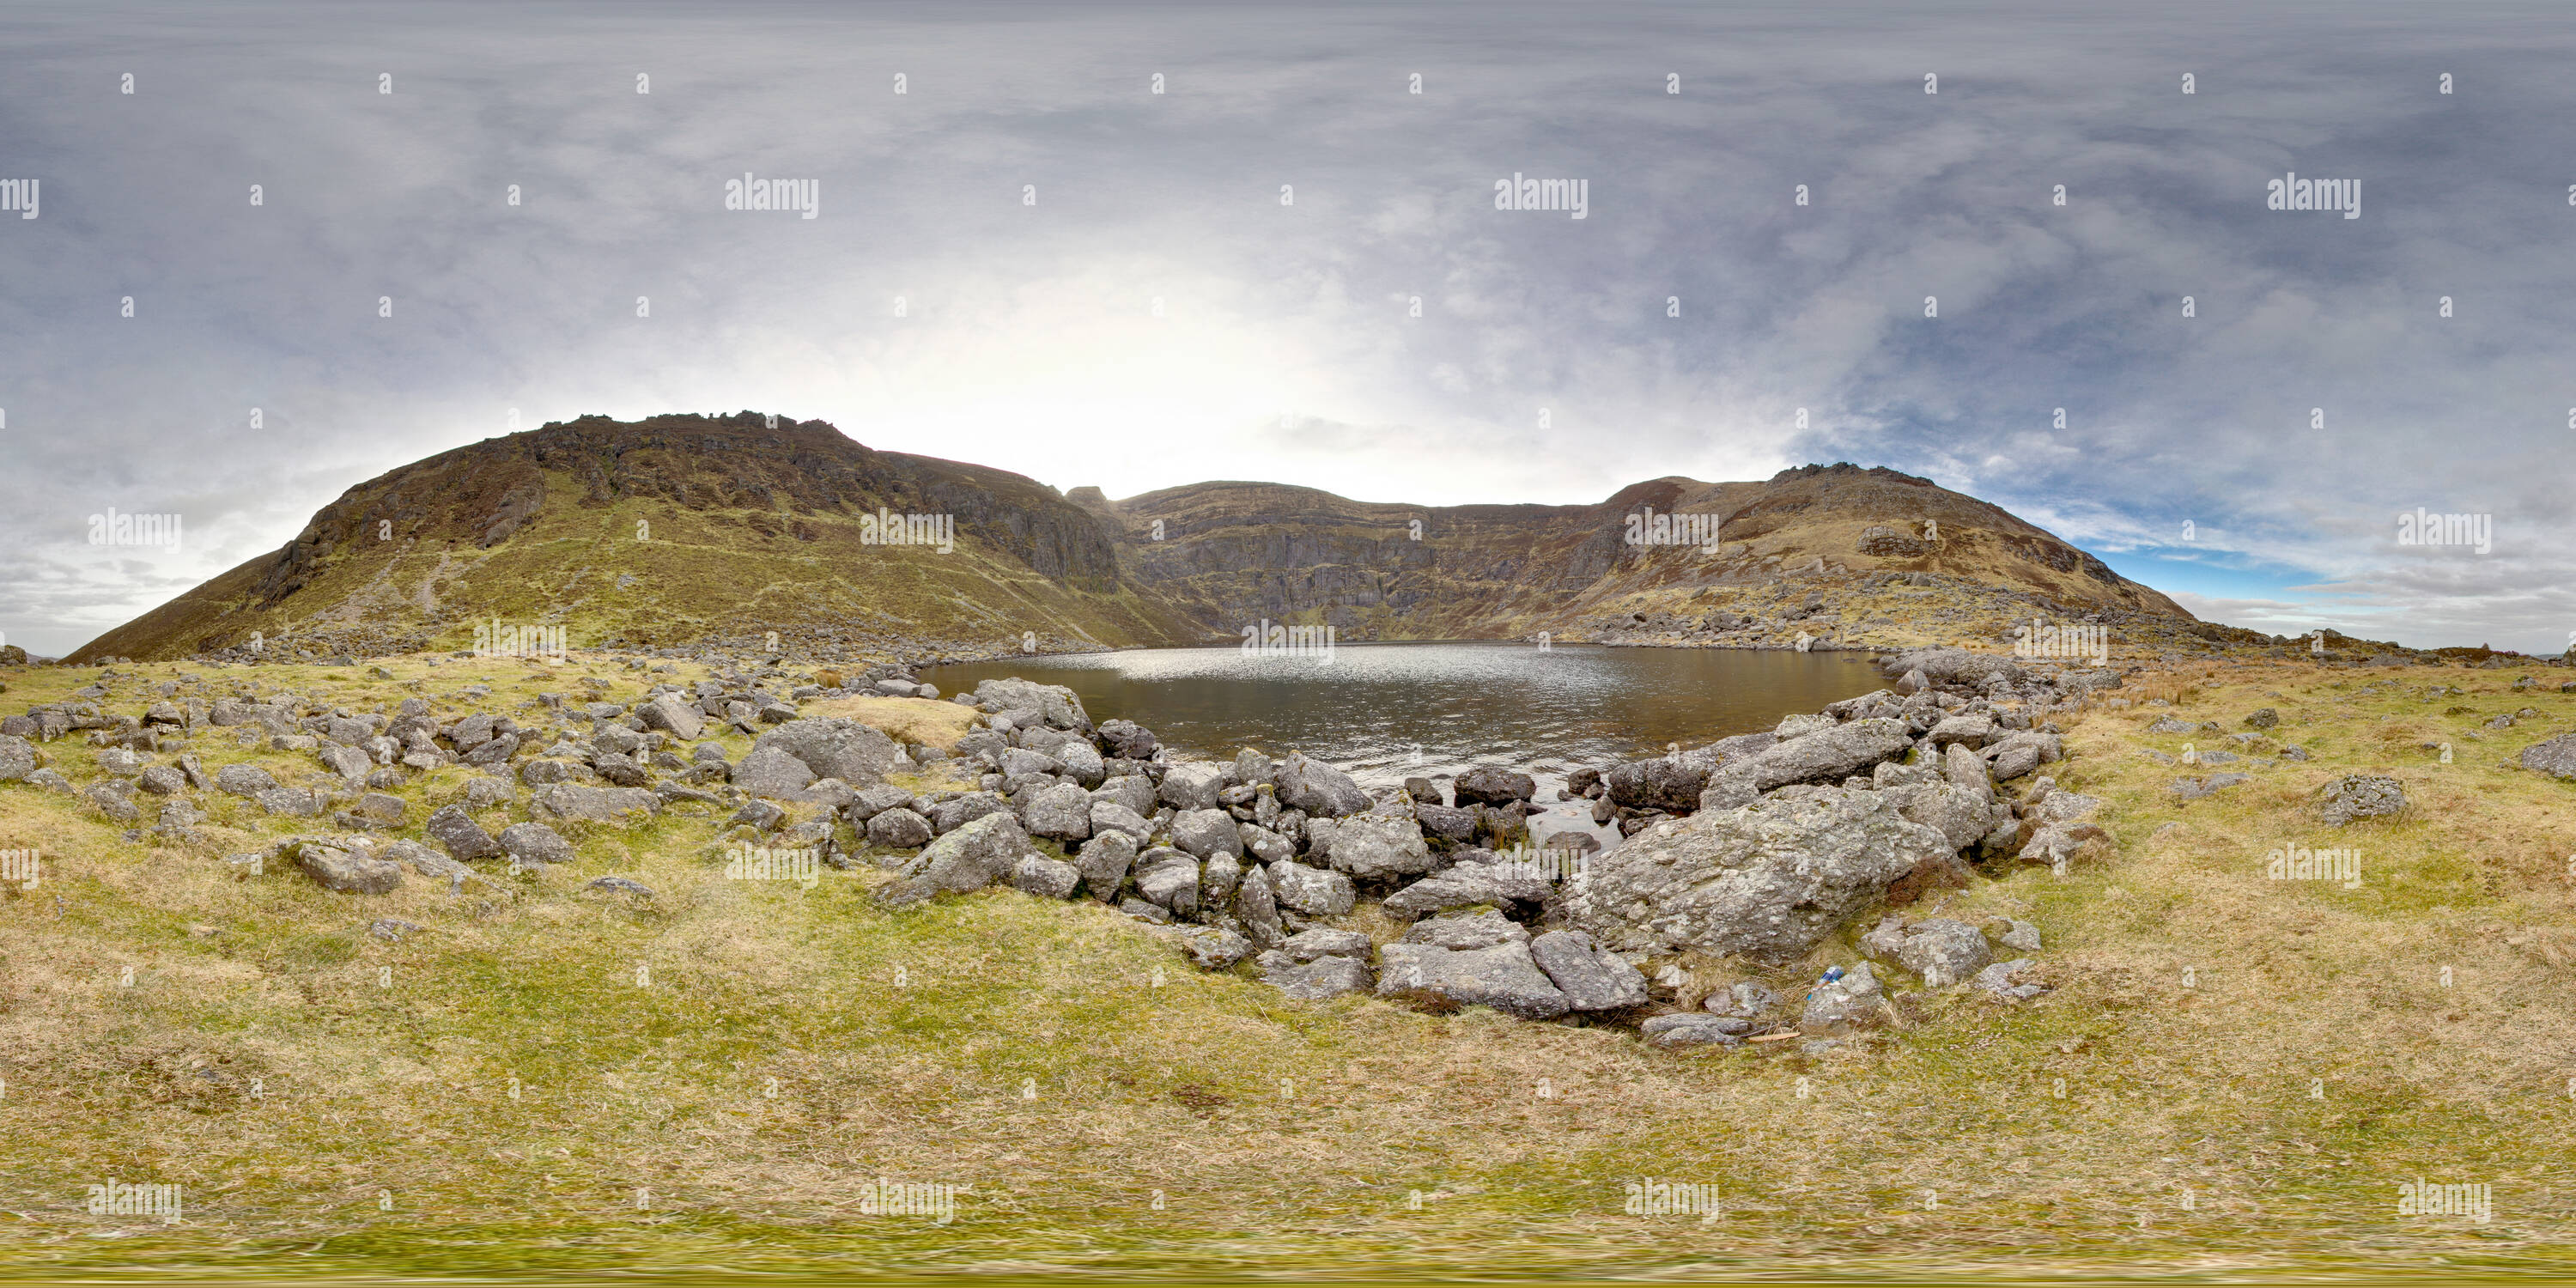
column 2556, row 757
column 1768, row 881
column 535, row 843
column 1110, row 816
column 1743, row 1000
column 1973, row 730
column 291, row 800
column 1169, row 879
column 1021, row 762
column 1315, row 981
column 831, row 747
column 1664, row 782
column 1999, row 981
column 347, row 871
column 869, row 802
column 1467, row 930
column 243, row 780
column 1966, row 771
column 1319, row 789
column 1957, row 814
column 1256, row 909
column 672, row 716
column 423, row 860
column 1050, row 878
column 1831, row 755
column 1369, row 847
column 970, row 858
column 1456, row 826
column 2019, row 753
column 773, row 773
column 898, row 828
column 1082, row 763
column 1193, row 786
column 1467, row 885
column 1855, row 1001
column 1943, row 951
column 1323, row 941
column 1062, row 812
column 1493, row 785
column 1207, row 833
column 1502, row 976
column 1105, row 861
column 458, row 833
column 1214, row 949
column 1054, row 704
column 596, row 804
column 1592, row 980
column 953, row 814
column 1311, row 892
column 2359, row 796
column 1134, row 792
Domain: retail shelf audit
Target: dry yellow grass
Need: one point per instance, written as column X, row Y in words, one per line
column 2233, row 1072
column 922, row 720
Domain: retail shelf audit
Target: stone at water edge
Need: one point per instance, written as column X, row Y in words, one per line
column 1492, row 785
column 1370, row 847
column 1319, row 789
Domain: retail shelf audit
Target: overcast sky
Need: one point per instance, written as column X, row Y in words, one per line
column 1284, row 201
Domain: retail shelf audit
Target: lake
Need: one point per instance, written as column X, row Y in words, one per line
column 1385, row 711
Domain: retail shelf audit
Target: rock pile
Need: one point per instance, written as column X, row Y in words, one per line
column 1760, row 846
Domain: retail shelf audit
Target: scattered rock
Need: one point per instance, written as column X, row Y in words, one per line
column 1682, row 1029
column 346, row 871
column 2359, row 796
column 536, row 843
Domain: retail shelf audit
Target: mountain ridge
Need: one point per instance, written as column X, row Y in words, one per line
column 680, row 528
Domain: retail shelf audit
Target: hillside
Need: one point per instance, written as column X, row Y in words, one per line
column 668, row 530
column 684, row 529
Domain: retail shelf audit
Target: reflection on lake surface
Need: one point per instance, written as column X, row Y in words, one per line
column 1385, row 711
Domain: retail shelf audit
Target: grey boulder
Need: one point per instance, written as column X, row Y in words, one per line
column 1592, row 980
column 1768, row 881
column 1319, row 789
column 1502, row 976
column 970, row 858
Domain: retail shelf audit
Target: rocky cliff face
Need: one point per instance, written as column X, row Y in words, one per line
column 678, row 528
column 1878, row 541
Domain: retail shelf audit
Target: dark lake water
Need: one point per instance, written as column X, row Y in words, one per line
column 1384, row 711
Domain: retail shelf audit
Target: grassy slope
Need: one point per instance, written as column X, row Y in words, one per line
column 1177, row 1086
column 726, row 558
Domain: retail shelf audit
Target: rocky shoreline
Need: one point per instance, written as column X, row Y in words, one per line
column 1759, row 847
column 1753, row 849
